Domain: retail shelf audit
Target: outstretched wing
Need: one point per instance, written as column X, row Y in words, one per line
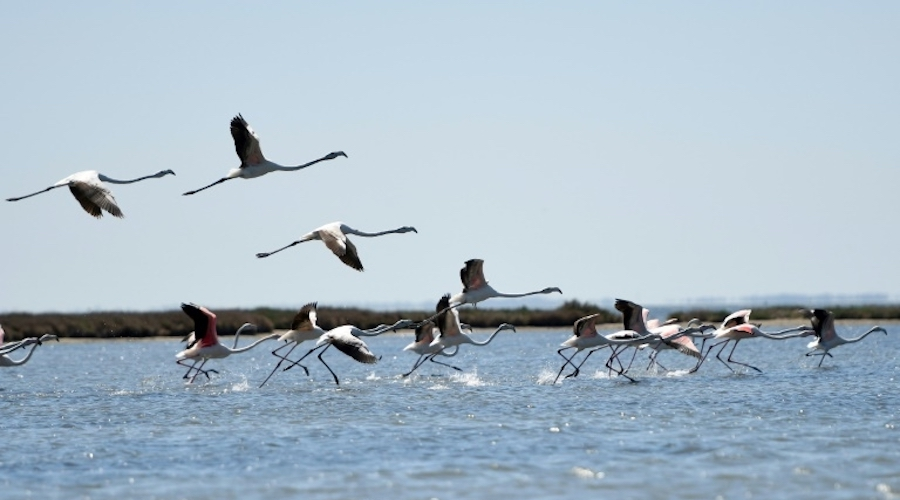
column 204, row 322
column 93, row 197
column 586, row 326
column 306, row 318
column 632, row 313
column 472, row 275
column 246, row 142
column 340, row 245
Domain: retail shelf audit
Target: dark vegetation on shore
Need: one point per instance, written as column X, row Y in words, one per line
column 176, row 324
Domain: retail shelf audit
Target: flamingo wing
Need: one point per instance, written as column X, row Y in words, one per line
column 823, row 322
column 341, row 246
column 425, row 331
column 246, row 142
column 472, row 275
column 586, row 326
column 736, row 318
column 204, row 323
column 306, row 318
column 632, row 313
column 354, row 347
column 447, row 319
column 93, row 197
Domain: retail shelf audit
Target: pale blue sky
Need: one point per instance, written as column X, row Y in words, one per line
column 657, row 151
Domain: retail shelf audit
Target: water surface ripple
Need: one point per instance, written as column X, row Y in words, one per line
column 114, row 419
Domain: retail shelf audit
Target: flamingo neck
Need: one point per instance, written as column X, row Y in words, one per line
column 117, row 181
column 254, row 344
column 857, row 339
column 7, row 361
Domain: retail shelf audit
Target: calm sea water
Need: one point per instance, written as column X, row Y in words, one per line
column 114, row 419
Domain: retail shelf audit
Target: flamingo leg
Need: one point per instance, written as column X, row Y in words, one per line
column 567, row 362
column 415, row 366
column 620, row 371
column 653, row 361
column 194, row 368
column 431, row 358
column 577, row 369
column 336, row 381
column 283, row 359
column 724, row 344
column 198, row 371
column 738, row 362
column 297, row 363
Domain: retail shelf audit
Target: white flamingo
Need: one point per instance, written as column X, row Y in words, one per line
column 253, row 163
column 452, row 330
column 8, row 348
column 304, row 328
column 88, row 189
column 826, row 336
column 477, row 289
column 425, row 335
column 586, row 337
column 205, row 344
column 736, row 327
column 334, row 235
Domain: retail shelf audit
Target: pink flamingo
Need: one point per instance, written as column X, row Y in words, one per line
column 736, row 327
column 669, row 339
column 205, row 345
column 826, row 336
column 253, row 163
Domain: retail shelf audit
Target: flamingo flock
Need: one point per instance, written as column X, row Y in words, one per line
column 441, row 334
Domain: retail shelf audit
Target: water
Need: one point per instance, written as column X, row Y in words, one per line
column 113, row 419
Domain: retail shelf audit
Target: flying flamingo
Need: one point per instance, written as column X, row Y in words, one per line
column 304, row 328
column 21, row 344
column 736, row 327
column 88, row 189
column 477, row 289
column 253, row 163
column 826, row 336
column 452, row 330
column 422, row 346
column 334, row 235
column 205, row 345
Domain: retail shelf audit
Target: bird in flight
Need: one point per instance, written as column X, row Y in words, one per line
column 334, row 235
column 253, row 163
column 88, row 188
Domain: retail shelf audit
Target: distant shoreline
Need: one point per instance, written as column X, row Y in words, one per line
column 166, row 324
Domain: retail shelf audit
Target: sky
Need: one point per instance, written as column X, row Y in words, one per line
column 662, row 152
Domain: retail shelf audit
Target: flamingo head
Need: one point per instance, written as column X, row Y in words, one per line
column 331, row 156
column 551, row 290
column 506, row 326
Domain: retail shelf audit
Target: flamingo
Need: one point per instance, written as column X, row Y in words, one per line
column 683, row 343
column 736, row 327
column 304, row 327
column 206, row 345
column 334, row 235
column 586, row 336
column 451, row 329
column 88, row 188
column 826, row 336
column 422, row 346
column 253, row 163
column 477, row 289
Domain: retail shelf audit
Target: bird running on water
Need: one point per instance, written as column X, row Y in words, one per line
column 205, row 343
column 826, row 336
column 253, row 163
